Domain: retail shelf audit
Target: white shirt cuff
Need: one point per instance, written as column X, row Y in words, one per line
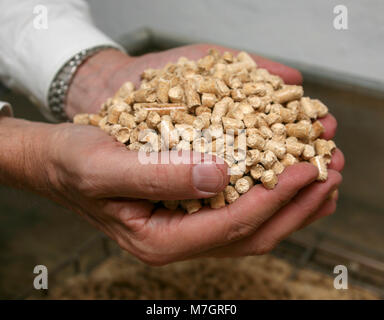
column 30, row 55
column 5, row 109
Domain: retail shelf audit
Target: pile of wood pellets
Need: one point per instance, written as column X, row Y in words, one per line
column 223, row 105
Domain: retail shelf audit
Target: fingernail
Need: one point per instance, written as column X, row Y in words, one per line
column 207, row 177
column 333, row 194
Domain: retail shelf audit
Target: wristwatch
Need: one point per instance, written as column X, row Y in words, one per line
column 5, row 109
column 60, row 84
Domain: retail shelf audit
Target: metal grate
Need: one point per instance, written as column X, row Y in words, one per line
column 323, row 251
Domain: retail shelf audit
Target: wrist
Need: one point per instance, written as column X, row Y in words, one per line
column 94, row 81
column 24, row 160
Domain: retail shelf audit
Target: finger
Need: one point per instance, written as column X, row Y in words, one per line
column 121, row 220
column 286, row 221
column 110, row 216
column 330, row 125
column 209, row 228
column 158, row 176
column 326, row 209
column 338, row 161
column 288, row 74
column 130, row 214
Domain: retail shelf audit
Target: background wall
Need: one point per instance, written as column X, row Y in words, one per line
column 298, row 30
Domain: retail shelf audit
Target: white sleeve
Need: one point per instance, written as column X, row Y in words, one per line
column 38, row 37
column 5, row 109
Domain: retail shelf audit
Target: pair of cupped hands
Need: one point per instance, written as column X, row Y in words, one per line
column 97, row 177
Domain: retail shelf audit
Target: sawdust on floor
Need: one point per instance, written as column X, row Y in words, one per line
column 264, row 277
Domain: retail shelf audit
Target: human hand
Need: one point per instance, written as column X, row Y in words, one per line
column 159, row 236
column 103, row 74
column 87, row 171
column 97, row 177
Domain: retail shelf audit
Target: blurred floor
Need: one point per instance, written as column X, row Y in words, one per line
column 263, row 277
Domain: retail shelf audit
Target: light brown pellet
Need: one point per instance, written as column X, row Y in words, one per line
column 230, row 194
column 243, row 184
column 191, row 206
column 269, row 179
column 318, row 161
column 217, row 201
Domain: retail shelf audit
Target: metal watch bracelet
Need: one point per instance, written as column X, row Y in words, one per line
column 59, row 87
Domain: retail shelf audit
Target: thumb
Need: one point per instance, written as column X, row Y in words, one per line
column 169, row 175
